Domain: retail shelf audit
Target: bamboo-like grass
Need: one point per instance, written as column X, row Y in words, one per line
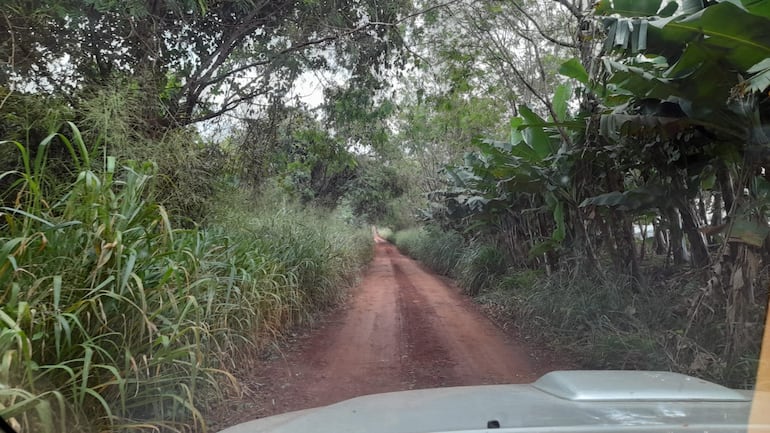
column 112, row 319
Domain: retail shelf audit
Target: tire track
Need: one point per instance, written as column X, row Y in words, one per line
column 403, row 328
column 427, row 362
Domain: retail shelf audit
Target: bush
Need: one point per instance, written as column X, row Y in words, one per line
column 477, row 266
column 114, row 119
column 409, row 240
column 602, row 320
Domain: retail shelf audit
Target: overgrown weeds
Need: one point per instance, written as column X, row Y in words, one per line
column 480, row 267
column 113, row 319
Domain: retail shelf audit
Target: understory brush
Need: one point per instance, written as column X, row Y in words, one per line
column 476, row 265
column 113, row 319
column 439, row 250
column 604, row 321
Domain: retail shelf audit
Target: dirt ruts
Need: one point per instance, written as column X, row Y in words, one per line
column 403, row 328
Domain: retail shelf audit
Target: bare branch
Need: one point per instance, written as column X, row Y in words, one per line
column 540, row 30
column 229, row 106
column 571, row 8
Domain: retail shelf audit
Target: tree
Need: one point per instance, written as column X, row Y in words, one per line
column 198, row 59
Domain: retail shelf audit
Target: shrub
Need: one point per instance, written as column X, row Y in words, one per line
column 409, row 241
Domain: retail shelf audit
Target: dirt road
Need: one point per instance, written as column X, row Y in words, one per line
column 403, row 328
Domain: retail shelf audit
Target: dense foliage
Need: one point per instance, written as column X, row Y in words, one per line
column 646, row 160
column 595, row 172
column 141, row 261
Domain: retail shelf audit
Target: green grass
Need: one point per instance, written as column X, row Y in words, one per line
column 476, row 266
column 439, row 250
column 480, row 267
column 113, row 319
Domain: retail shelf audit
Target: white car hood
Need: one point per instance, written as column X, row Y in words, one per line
column 574, row 401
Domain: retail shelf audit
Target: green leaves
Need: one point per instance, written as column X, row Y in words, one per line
column 561, row 97
column 572, row 68
column 624, row 33
column 535, row 136
column 631, row 8
column 637, row 8
column 693, row 64
column 639, row 199
column 530, row 166
column 740, row 36
column 557, row 208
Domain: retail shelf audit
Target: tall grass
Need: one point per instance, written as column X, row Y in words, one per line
column 480, row 267
column 601, row 320
column 476, row 266
column 386, row 233
column 439, row 250
column 113, row 319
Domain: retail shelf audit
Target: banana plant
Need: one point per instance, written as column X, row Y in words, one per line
column 681, row 92
column 532, row 166
column 691, row 84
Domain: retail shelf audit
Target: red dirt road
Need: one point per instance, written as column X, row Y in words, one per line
column 403, row 328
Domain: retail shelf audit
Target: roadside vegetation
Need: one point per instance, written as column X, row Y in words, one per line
column 599, row 177
column 598, row 321
column 596, row 173
column 115, row 318
column 145, row 257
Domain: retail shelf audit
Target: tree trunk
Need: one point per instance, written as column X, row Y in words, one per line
column 716, row 209
column 676, row 240
column 586, row 40
column 702, row 209
column 625, row 250
column 659, row 244
column 622, row 229
column 726, row 185
column 739, row 269
column 700, row 254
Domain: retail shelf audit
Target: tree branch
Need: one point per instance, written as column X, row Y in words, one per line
column 228, row 106
column 571, row 8
column 325, row 39
column 204, row 79
column 540, row 30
